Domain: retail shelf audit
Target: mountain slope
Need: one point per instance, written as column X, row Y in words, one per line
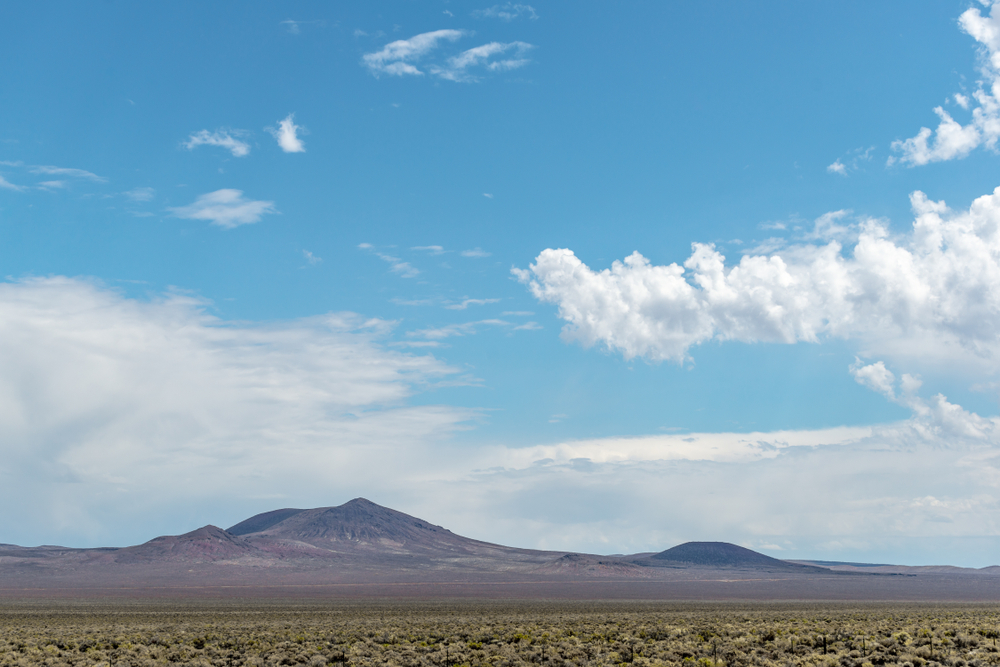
column 361, row 525
column 206, row 544
column 261, row 522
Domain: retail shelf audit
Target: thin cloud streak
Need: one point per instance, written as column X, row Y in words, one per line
column 7, row 185
column 397, row 58
column 66, row 171
column 142, row 194
column 401, row 57
column 506, row 12
column 223, row 138
column 432, row 249
column 465, row 303
column 451, row 330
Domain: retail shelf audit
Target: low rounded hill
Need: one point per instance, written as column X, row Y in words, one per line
column 721, row 554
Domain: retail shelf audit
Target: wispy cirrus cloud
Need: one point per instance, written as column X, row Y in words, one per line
column 469, row 328
column 465, row 303
column 401, row 57
column 851, row 162
column 461, row 329
column 287, row 136
column 413, row 302
column 295, row 27
column 398, row 58
column 7, row 185
column 432, row 249
column 65, row 176
column 226, row 208
column 140, row 194
column 475, row 253
column 49, row 170
column 493, row 57
column 506, row 12
column 223, row 138
column 396, row 264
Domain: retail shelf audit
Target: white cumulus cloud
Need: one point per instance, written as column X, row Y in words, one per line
column 287, row 135
column 157, row 416
column 227, row 139
column 951, row 139
column 225, row 208
column 934, row 293
column 876, row 377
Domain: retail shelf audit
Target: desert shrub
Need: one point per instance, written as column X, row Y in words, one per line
column 491, row 634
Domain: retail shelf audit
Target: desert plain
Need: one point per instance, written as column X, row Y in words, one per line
column 501, row 633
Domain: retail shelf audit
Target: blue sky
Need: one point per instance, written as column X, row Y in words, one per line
column 262, row 256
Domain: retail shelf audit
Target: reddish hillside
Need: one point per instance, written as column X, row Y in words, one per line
column 205, row 544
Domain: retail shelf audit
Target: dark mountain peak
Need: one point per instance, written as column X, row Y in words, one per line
column 719, row 554
column 356, row 523
column 261, row 522
column 208, row 532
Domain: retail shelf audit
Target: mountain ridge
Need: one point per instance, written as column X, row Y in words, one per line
column 362, row 546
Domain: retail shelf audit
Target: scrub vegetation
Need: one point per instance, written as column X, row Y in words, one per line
column 496, row 634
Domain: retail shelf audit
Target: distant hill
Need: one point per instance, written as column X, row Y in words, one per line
column 361, row 526
column 361, row 548
column 723, row 555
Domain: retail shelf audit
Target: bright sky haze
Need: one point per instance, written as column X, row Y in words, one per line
column 576, row 276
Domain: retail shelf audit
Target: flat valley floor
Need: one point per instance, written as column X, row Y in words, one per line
column 500, row 633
